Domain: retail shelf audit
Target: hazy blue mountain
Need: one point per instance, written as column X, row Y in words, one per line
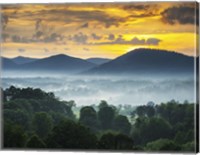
column 58, row 63
column 8, row 64
column 23, row 60
column 98, row 61
column 197, row 67
column 147, row 61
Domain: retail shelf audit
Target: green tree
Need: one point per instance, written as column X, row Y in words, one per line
column 156, row 128
column 111, row 141
column 180, row 137
column 107, row 141
column 163, row 145
column 57, row 117
column 69, row 135
column 122, row 124
column 189, row 147
column 103, row 104
column 13, row 135
column 18, row 117
column 141, row 111
column 150, row 111
column 35, row 142
column 106, row 116
column 123, row 142
column 88, row 117
column 42, row 124
column 150, row 129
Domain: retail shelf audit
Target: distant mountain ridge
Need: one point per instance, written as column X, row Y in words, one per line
column 61, row 62
column 147, row 61
column 23, row 60
column 98, row 61
column 7, row 64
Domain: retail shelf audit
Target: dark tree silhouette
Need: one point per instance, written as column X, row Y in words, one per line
column 42, row 123
column 122, row 124
column 88, row 117
column 106, row 116
column 35, row 142
column 13, row 135
column 69, row 135
column 111, row 141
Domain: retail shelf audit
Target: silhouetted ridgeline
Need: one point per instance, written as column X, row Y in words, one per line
column 98, row 61
column 147, row 61
column 8, row 64
column 23, row 60
column 138, row 61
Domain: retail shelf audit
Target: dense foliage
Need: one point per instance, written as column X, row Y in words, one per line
column 35, row 119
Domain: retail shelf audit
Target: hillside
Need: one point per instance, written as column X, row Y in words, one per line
column 147, row 61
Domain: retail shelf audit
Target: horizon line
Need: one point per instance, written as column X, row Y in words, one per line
column 99, row 57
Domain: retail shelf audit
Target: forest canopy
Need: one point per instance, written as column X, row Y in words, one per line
column 34, row 119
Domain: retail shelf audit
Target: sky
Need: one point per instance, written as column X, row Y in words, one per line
column 105, row 30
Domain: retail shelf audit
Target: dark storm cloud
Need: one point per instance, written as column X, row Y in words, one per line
column 95, row 36
column 37, row 24
column 16, row 38
column 20, row 39
column 181, row 15
column 53, row 37
column 143, row 10
column 136, row 7
column 79, row 38
column 111, row 37
column 152, row 41
column 4, row 16
column 21, row 50
column 38, row 34
column 38, row 37
column 137, row 41
column 4, row 21
column 10, row 7
column 45, row 33
column 68, row 16
column 134, row 41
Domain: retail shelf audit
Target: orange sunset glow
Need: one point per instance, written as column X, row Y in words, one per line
column 97, row 30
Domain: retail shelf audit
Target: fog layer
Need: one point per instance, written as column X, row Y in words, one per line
column 87, row 90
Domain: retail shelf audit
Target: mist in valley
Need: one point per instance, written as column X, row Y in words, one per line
column 121, row 89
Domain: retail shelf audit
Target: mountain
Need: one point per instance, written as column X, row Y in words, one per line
column 147, row 61
column 98, row 61
column 7, row 64
column 58, row 63
column 23, row 60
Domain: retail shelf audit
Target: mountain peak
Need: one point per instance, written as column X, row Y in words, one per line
column 145, row 60
column 23, row 60
column 153, row 51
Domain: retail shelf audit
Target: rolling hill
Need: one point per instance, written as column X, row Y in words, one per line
column 23, row 60
column 58, row 63
column 98, row 61
column 146, row 61
column 7, row 64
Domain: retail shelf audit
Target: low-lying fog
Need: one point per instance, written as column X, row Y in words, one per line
column 87, row 90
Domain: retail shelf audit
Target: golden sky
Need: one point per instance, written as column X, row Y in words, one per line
column 97, row 29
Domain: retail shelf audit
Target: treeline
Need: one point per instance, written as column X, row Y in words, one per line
column 34, row 119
